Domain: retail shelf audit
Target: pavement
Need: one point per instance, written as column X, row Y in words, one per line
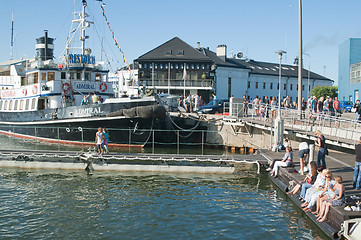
column 340, row 163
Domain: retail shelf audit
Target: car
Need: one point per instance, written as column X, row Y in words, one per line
column 214, row 106
column 345, row 106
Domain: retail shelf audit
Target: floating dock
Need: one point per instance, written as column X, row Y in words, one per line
column 139, row 162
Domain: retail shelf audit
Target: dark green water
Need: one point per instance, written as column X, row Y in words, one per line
column 43, row 204
column 74, row 205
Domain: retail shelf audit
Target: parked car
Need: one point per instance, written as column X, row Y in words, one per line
column 170, row 102
column 345, row 106
column 214, row 106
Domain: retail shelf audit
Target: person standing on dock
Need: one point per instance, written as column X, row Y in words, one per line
column 321, row 143
column 106, row 140
column 357, row 171
column 303, row 154
column 99, row 140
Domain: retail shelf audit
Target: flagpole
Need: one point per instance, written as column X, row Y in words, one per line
column 184, row 79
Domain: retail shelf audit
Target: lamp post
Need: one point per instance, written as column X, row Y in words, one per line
column 279, row 121
column 308, row 75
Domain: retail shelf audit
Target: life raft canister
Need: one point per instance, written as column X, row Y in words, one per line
column 103, row 87
column 35, row 89
column 66, row 87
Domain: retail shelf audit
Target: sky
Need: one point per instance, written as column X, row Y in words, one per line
column 257, row 28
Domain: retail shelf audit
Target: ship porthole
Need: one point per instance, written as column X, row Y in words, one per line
column 67, row 129
column 71, row 113
column 80, row 129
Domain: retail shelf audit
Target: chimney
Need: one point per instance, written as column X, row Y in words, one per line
column 222, row 52
column 198, row 45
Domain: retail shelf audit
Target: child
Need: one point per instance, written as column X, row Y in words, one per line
column 335, row 199
column 99, row 140
column 106, row 140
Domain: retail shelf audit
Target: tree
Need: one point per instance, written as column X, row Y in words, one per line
column 324, row 91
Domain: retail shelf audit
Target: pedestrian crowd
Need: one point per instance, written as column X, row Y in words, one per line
column 267, row 106
column 191, row 102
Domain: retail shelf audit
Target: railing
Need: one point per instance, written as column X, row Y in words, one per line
column 329, row 123
column 208, row 83
column 181, row 141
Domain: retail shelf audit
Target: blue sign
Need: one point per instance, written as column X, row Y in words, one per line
column 80, row 58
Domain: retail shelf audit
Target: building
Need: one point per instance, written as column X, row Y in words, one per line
column 349, row 70
column 175, row 67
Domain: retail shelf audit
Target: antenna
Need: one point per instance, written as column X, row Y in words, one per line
column 12, row 36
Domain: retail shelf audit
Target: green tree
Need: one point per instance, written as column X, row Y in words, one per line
column 324, row 91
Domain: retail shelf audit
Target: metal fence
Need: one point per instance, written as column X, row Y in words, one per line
column 329, row 123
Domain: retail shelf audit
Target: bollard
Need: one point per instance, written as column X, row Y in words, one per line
column 312, row 154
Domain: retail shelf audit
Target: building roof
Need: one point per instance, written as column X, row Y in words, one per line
column 266, row 68
column 174, row 50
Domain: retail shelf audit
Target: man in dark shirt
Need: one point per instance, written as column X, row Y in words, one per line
column 357, row 172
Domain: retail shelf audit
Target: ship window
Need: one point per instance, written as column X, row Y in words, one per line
column 98, row 77
column 21, row 105
column 27, row 104
column 63, row 75
column 1, row 104
column 43, row 76
column 33, row 103
column 16, row 104
column 87, row 76
column 51, row 76
column 6, row 105
column 36, row 77
column 72, row 75
column 10, row 104
column 78, row 75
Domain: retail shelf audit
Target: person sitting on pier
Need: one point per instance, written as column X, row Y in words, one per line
column 312, row 194
column 336, row 198
column 307, row 181
column 285, row 162
column 303, row 154
column 99, row 140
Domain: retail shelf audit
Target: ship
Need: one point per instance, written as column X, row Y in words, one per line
column 47, row 99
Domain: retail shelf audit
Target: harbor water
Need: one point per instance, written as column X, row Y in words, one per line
column 52, row 204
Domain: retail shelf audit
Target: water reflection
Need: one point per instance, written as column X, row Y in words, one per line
column 66, row 204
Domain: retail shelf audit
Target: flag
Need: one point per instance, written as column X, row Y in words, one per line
column 184, row 73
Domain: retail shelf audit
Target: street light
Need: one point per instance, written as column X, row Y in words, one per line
column 279, row 122
column 280, row 53
column 308, row 75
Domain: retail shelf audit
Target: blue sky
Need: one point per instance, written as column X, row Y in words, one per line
column 257, row 28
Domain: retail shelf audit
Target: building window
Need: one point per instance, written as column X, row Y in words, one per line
column 197, row 66
column 145, row 66
column 168, row 53
column 249, row 84
column 176, row 66
column 278, row 86
column 256, row 85
column 202, row 66
column 291, row 87
column 271, row 86
column 180, row 53
column 297, row 87
column 284, row 86
column 303, row 87
column 156, row 66
column 229, row 87
column 264, row 85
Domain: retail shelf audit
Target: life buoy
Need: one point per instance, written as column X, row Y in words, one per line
column 25, row 91
column 35, row 89
column 103, row 87
column 66, row 87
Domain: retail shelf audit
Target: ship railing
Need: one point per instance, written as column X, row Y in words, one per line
column 134, row 139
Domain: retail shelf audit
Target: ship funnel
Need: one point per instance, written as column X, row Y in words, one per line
column 45, row 47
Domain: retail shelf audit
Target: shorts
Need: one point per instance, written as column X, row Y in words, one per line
column 303, row 152
column 99, row 146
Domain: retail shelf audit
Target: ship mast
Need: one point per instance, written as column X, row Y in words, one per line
column 12, row 36
column 84, row 25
